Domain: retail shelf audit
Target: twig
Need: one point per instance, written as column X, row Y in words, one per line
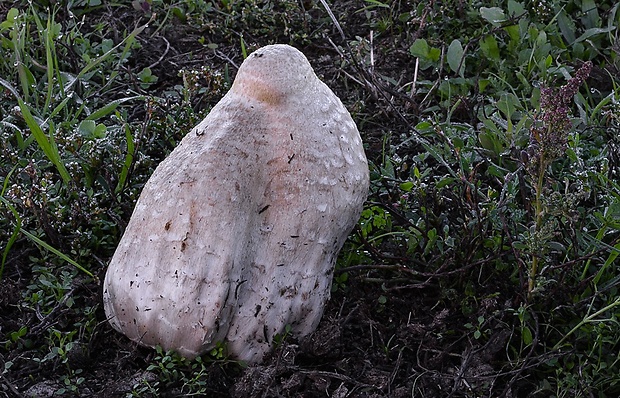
column 46, row 321
column 533, row 346
column 333, row 17
column 161, row 58
column 6, row 381
column 334, row 375
column 588, row 319
column 225, row 57
column 415, row 76
column 399, row 360
column 398, row 267
column 371, row 83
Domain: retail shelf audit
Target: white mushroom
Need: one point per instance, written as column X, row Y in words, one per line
column 235, row 234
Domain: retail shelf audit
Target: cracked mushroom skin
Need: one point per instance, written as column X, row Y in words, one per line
column 236, row 233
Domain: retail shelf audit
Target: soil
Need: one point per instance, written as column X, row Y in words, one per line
column 370, row 343
column 378, row 337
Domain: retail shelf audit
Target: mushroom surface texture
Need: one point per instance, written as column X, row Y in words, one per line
column 236, row 233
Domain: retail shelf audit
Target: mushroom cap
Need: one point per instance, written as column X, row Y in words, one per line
column 236, row 233
column 273, row 73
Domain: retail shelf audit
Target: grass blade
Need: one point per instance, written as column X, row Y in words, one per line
column 128, row 161
column 18, row 222
column 63, row 256
column 50, row 150
column 44, row 143
column 14, row 234
column 127, row 42
column 111, row 107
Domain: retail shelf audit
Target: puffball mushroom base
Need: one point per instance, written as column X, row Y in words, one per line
column 235, row 234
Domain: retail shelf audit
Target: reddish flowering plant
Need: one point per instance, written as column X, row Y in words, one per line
column 548, row 140
column 549, row 133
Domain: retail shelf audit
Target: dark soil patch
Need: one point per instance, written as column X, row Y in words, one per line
column 370, row 343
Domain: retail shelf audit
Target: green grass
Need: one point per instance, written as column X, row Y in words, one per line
column 487, row 200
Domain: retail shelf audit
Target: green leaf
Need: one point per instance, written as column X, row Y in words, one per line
column 244, row 51
column 487, row 141
column 419, row 48
column 482, row 84
column 595, row 111
column 592, row 32
column 90, row 130
column 407, row 186
column 45, row 143
column 526, row 335
column 426, row 54
column 424, row 125
column 515, row 9
column 615, row 251
column 434, row 54
column 50, row 150
column 12, row 15
column 100, row 131
column 567, row 27
column 611, row 18
column 508, row 104
column 128, row 161
column 146, row 76
column 18, row 222
column 557, row 246
column 86, row 127
column 179, row 13
column 444, row 182
column 541, row 38
column 455, row 57
column 111, row 107
column 416, row 173
column 495, row 15
column 377, row 3
column 11, row 19
column 592, row 18
column 63, row 256
column 513, row 32
column 489, row 47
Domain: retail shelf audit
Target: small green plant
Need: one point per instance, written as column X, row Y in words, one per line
column 218, row 352
column 188, row 377
column 477, row 328
column 167, row 365
column 147, row 78
column 71, row 384
column 17, row 338
column 280, row 338
column 340, row 281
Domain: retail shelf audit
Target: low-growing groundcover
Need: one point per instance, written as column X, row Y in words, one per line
column 485, row 262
